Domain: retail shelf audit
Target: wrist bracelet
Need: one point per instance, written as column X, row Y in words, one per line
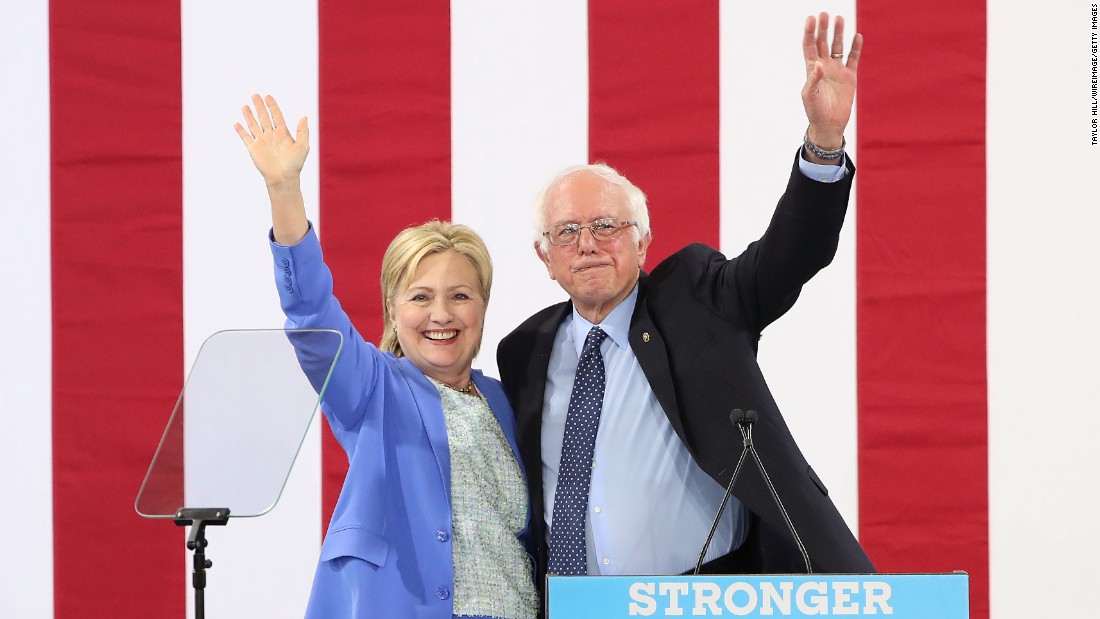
column 820, row 152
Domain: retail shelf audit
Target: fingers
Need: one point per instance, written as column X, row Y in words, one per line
column 809, row 42
column 250, row 120
column 813, row 77
column 276, row 113
column 246, row 137
column 302, row 133
column 823, row 34
column 816, row 45
column 263, row 116
column 267, row 117
column 853, row 56
column 838, row 37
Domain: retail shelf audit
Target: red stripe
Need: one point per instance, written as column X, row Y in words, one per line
column 385, row 104
column 116, row 174
column 921, row 291
column 653, row 110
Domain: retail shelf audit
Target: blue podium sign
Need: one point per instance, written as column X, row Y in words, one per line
column 898, row 596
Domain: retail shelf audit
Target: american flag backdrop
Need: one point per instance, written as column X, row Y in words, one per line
column 941, row 374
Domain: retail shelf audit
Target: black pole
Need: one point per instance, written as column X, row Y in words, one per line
column 198, row 519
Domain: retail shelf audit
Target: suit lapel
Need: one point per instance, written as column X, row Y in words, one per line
column 649, row 347
column 529, row 418
column 430, row 407
column 530, row 409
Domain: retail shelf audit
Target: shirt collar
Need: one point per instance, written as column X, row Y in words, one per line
column 616, row 325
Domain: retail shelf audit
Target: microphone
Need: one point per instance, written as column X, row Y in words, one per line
column 744, row 420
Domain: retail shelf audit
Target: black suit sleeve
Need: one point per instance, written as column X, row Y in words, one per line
column 763, row 282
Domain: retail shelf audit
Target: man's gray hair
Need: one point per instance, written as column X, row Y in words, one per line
column 635, row 200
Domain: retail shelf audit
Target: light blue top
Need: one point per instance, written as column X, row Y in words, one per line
column 489, row 512
column 638, row 456
column 823, row 172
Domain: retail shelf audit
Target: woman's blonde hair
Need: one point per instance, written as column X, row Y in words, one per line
column 404, row 254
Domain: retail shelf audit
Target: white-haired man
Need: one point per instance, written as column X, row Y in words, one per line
column 623, row 393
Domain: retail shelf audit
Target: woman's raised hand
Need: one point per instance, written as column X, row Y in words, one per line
column 278, row 156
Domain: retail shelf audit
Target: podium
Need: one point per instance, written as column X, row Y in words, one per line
column 898, row 596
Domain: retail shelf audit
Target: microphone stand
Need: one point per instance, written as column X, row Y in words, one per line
column 744, row 420
column 747, row 439
column 746, row 432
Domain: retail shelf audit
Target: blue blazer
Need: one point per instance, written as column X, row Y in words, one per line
column 388, row 549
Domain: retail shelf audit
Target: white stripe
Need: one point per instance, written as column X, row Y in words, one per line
column 1043, row 295
column 26, row 482
column 808, row 356
column 1042, row 264
column 263, row 566
column 519, row 100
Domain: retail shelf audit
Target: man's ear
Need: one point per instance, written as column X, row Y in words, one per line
column 643, row 247
column 545, row 257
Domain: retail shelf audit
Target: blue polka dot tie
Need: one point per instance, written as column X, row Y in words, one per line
column 567, row 554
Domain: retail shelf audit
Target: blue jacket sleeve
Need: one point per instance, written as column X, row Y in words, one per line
column 305, row 294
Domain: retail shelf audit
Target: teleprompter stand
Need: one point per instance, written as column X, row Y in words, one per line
column 235, row 432
column 198, row 518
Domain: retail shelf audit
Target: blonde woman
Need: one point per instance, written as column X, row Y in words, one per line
column 433, row 518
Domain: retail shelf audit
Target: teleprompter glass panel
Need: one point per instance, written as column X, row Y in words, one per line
column 239, row 422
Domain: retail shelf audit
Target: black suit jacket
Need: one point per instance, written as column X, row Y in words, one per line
column 695, row 331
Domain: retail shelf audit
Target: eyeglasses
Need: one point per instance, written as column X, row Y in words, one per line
column 607, row 229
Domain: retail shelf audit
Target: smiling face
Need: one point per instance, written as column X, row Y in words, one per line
column 439, row 317
column 598, row 275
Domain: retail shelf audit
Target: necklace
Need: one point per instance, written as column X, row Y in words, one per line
column 467, row 389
